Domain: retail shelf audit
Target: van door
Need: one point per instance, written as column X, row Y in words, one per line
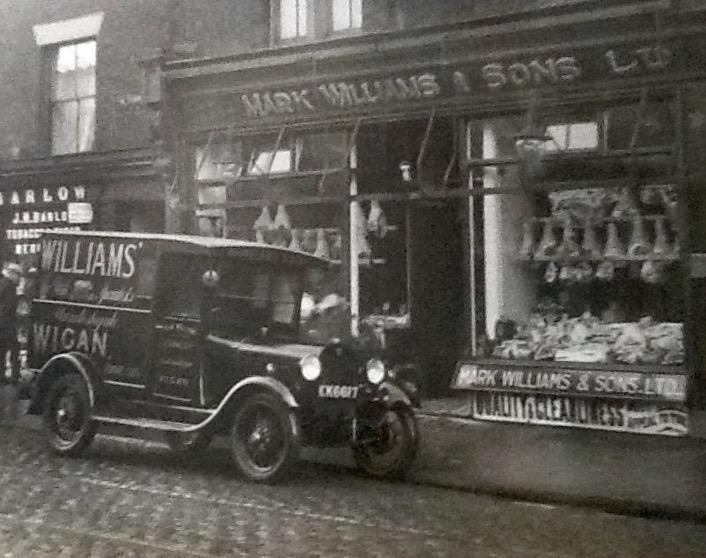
column 178, row 336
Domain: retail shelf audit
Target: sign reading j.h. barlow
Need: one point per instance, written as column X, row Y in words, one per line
column 29, row 210
column 381, row 90
column 576, row 381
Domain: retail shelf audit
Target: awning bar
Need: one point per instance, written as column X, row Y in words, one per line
column 425, row 141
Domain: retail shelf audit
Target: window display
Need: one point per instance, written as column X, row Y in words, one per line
column 581, row 274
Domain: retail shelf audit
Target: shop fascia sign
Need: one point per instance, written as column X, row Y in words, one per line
column 573, row 381
column 447, row 82
column 31, row 196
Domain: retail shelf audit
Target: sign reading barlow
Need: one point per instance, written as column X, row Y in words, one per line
column 535, row 378
column 478, row 77
column 27, row 211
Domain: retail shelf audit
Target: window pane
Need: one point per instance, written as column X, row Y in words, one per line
column 64, row 126
column 87, row 124
column 558, row 133
column 63, row 86
column 86, row 55
column 66, row 59
column 284, row 302
column 583, row 135
column 63, row 76
column 356, row 14
column 281, row 162
column 323, row 151
column 220, row 160
column 288, row 19
column 341, row 14
column 85, row 79
column 654, row 128
column 574, row 135
column 301, row 20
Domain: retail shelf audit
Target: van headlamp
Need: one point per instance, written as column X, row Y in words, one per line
column 375, row 370
column 311, row 367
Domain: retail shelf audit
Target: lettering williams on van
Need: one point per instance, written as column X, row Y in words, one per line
column 89, row 257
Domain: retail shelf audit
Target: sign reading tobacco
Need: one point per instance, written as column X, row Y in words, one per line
column 448, row 82
column 28, row 211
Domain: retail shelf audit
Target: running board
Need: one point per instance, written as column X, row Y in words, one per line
column 150, row 424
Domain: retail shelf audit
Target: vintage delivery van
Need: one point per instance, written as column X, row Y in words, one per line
column 197, row 337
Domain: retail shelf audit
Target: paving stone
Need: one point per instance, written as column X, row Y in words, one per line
column 128, row 498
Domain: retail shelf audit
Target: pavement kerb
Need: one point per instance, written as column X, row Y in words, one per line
column 616, row 505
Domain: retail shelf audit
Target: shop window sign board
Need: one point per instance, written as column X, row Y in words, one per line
column 648, row 401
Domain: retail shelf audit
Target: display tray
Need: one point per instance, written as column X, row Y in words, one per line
column 644, row 382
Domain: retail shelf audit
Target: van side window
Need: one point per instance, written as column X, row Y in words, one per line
column 146, row 272
column 180, row 285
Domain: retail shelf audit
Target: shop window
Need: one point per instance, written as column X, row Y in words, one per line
column 292, row 19
column 73, row 97
column 347, row 15
column 578, row 275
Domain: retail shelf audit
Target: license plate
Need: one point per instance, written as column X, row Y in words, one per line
column 334, row 391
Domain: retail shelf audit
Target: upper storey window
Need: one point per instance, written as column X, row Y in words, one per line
column 347, row 15
column 310, row 20
column 73, row 98
column 293, row 16
column 69, row 98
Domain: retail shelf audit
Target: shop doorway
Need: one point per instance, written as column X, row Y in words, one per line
column 437, row 291
column 411, row 271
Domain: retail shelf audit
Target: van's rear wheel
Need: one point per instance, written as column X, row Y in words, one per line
column 67, row 416
column 265, row 437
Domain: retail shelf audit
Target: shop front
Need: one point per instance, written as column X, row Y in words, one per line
column 105, row 193
column 512, row 216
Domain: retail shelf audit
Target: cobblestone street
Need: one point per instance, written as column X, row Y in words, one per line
column 133, row 498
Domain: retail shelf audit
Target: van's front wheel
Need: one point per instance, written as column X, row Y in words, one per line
column 67, row 416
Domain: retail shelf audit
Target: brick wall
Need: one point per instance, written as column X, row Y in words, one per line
column 133, row 28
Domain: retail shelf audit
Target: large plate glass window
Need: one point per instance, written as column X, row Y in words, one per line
column 581, row 262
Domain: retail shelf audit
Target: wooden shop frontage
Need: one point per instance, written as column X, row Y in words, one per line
column 517, row 205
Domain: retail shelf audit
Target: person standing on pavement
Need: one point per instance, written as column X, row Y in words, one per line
column 11, row 275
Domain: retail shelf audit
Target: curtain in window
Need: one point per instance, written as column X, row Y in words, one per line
column 86, row 124
column 64, row 124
